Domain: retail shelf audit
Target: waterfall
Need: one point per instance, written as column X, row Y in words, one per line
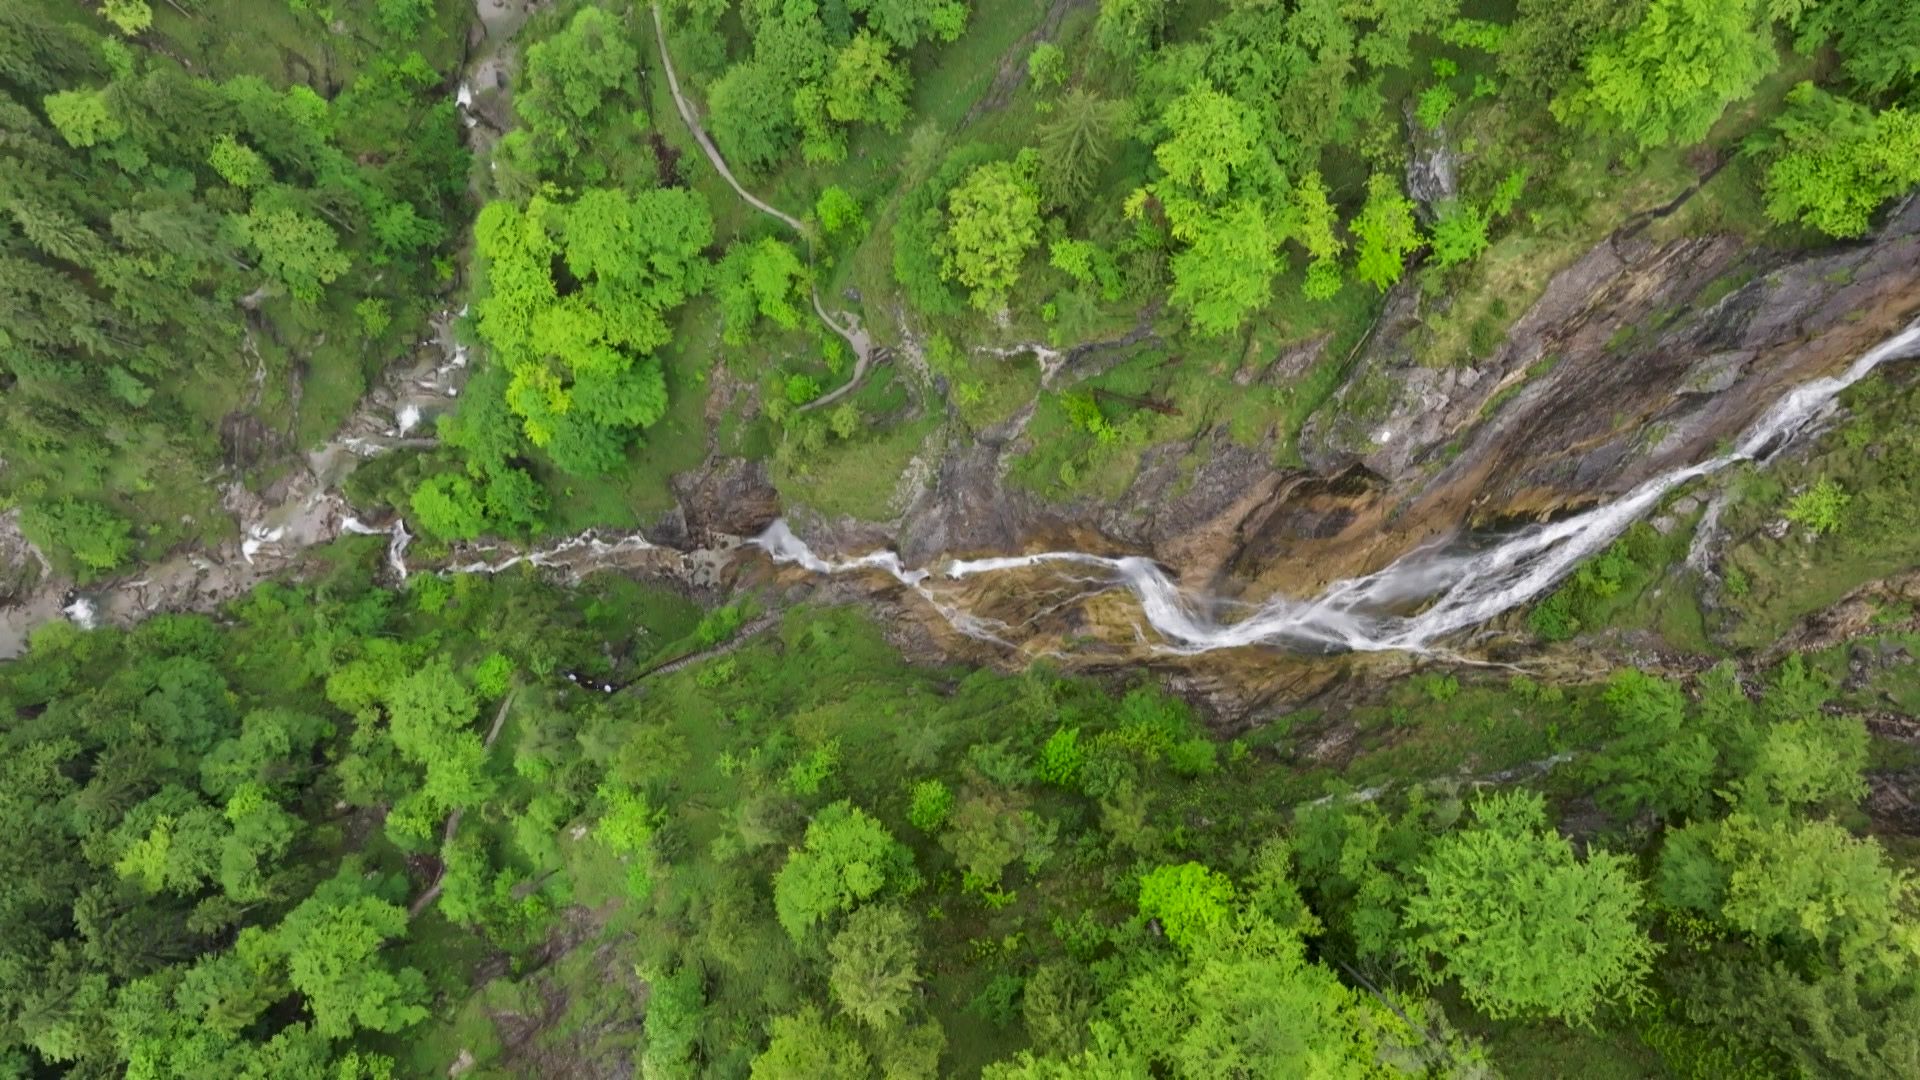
column 1447, row 589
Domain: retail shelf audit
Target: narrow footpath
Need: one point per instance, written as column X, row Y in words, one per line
column 844, row 324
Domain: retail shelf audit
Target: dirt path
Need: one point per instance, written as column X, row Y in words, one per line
column 740, row 637
column 844, row 324
column 1012, row 72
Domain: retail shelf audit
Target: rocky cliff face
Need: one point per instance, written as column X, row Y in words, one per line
column 1637, row 357
column 1645, row 368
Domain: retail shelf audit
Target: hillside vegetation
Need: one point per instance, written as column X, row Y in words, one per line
column 359, row 824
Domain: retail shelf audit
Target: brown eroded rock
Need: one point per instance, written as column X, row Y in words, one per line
column 1653, row 370
column 725, row 497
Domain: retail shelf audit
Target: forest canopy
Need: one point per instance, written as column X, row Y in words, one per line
column 439, row 360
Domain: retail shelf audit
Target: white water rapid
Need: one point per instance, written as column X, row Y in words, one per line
column 1410, row 604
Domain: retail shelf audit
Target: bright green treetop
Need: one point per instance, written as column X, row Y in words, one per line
column 1524, row 927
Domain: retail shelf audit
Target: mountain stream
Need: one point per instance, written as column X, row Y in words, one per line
column 1411, row 604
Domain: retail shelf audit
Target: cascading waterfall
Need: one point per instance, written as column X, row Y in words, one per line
column 397, row 540
column 587, row 545
column 1445, row 589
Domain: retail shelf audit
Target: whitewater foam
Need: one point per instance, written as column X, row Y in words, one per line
column 1410, row 604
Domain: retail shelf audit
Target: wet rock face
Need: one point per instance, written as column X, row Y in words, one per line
column 726, row 497
column 1431, row 167
column 245, row 440
column 1853, row 617
column 1892, row 801
column 1648, row 373
column 1713, row 367
column 1307, row 511
column 21, row 564
column 1181, row 486
column 1652, row 369
column 966, row 506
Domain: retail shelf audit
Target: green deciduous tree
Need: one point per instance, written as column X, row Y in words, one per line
column 301, row 252
column 930, row 805
column 1525, row 928
column 993, row 829
column 838, row 212
column 906, row 23
column 847, row 859
column 171, row 842
column 130, row 17
column 1832, row 162
column 568, row 78
column 1313, row 228
column 332, row 944
column 1459, row 234
column 1248, row 1002
column 401, row 230
column 1226, row 272
column 1192, row 902
column 1210, row 139
column 1804, row 891
column 1223, row 197
column 83, row 117
column 1239, row 999
column 1811, row 762
column 1544, row 47
column 1822, row 1023
column 993, row 221
column 1657, row 759
column 1667, row 80
column 237, row 163
column 430, row 716
column 1384, row 233
column 760, row 279
column 447, row 506
column 84, row 535
column 1357, row 862
column 752, row 118
column 579, row 377
column 1391, row 25
column 867, row 85
column 1878, row 40
column 807, row 1046
column 1130, row 28
column 259, row 833
column 1046, row 67
column 273, row 745
column 875, row 965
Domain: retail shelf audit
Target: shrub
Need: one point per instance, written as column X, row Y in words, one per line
column 808, row 774
column 1046, row 67
column 1190, row 901
column 1440, row 687
column 1193, row 757
column 1821, row 508
column 838, row 212
column 801, row 389
column 1460, row 234
column 929, row 805
column 1062, row 758
column 83, row 535
column 1436, row 102
column 719, row 624
column 493, row 674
